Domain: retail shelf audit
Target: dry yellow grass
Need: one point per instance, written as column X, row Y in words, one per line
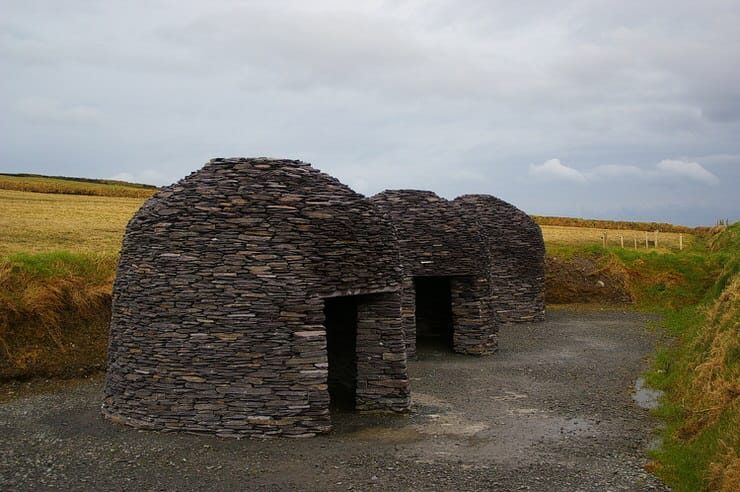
column 577, row 236
column 715, row 388
column 41, row 222
column 53, row 326
column 74, row 186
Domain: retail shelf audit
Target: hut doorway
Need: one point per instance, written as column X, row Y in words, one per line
column 434, row 327
column 340, row 315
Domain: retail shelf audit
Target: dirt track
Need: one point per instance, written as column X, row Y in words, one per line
column 551, row 411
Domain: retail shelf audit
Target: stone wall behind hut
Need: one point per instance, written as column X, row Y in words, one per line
column 517, row 258
column 437, row 238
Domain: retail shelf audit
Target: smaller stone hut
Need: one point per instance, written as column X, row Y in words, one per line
column 516, row 251
column 446, row 279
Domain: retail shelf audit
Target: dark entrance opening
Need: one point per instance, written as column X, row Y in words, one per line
column 341, row 347
column 433, row 312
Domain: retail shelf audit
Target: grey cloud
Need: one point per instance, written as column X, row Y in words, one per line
column 47, row 110
column 452, row 96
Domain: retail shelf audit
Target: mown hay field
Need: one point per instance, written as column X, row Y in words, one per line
column 43, row 222
column 581, row 236
column 33, row 222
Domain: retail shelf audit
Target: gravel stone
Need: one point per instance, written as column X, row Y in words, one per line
column 552, row 411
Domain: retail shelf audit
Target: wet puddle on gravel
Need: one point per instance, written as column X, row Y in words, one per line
column 646, row 397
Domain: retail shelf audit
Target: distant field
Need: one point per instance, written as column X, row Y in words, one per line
column 617, row 224
column 42, row 222
column 74, row 186
column 578, row 236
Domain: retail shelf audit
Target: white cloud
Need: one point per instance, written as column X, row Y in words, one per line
column 553, row 168
column 667, row 168
column 143, row 177
column 686, row 169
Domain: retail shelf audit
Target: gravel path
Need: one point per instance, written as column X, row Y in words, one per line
column 551, row 411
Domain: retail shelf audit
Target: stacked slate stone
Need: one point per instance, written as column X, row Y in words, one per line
column 217, row 322
column 517, row 251
column 439, row 239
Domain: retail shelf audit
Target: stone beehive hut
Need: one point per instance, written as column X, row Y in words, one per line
column 250, row 296
column 255, row 294
column 516, row 257
column 446, row 278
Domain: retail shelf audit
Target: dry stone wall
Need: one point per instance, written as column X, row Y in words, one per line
column 517, row 258
column 218, row 303
column 437, row 238
column 475, row 328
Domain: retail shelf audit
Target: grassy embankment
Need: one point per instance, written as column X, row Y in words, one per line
column 700, row 373
column 698, row 293
column 58, row 254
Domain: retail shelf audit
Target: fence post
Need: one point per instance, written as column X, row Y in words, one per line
column 635, row 242
column 621, row 240
column 656, row 239
column 680, row 242
column 646, row 240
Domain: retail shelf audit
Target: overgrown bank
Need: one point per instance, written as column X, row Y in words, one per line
column 54, row 314
column 698, row 293
column 700, row 375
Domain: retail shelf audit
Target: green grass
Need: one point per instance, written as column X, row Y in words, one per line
column 61, row 264
column 699, row 372
column 615, row 224
column 670, row 280
column 696, row 293
column 114, row 182
column 690, row 460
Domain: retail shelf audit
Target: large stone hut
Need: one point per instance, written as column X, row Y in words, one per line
column 251, row 295
column 256, row 294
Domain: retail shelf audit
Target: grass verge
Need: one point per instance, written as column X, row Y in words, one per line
column 700, row 373
column 697, row 291
column 54, row 314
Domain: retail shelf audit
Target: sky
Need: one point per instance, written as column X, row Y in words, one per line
column 619, row 110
